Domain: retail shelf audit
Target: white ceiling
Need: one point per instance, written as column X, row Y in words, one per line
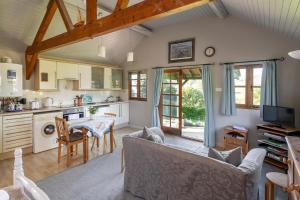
column 281, row 16
column 20, row 19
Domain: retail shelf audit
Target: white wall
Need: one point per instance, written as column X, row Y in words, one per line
column 234, row 40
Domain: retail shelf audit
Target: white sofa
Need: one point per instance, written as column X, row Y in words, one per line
column 158, row 171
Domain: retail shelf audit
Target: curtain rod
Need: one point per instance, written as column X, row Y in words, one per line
column 274, row 59
column 182, row 66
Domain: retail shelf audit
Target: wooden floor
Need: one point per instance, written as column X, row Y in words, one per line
column 41, row 165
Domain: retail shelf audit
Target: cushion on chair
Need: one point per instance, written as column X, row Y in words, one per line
column 234, row 156
column 74, row 136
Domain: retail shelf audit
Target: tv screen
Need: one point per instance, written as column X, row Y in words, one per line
column 279, row 115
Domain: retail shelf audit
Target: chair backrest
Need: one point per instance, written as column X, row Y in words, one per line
column 62, row 128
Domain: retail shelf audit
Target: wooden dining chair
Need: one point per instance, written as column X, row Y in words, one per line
column 69, row 139
column 105, row 135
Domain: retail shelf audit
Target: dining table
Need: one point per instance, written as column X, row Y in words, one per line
column 97, row 127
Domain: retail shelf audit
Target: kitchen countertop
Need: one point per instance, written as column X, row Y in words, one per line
column 57, row 108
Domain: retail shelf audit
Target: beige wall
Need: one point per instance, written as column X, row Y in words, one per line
column 234, row 40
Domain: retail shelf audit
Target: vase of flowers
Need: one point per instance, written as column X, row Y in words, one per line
column 93, row 111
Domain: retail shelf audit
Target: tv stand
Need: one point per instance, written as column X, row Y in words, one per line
column 273, row 140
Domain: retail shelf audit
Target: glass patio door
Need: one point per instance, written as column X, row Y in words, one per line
column 170, row 102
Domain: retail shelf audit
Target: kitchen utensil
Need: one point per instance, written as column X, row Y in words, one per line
column 19, row 107
column 34, row 105
column 11, row 107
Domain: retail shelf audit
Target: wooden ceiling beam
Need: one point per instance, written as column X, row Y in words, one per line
column 121, row 5
column 133, row 15
column 51, row 9
column 31, row 58
column 136, row 14
column 91, row 11
column 65, row 15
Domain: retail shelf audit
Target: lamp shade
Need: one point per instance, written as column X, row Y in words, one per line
column 102, row 51
column 295, row 54
column 130, row 56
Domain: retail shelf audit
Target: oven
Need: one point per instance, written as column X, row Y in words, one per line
column 73, row 114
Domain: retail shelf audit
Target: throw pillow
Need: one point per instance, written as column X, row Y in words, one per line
column 233, row 156
column 150, row 135
column 155, row 138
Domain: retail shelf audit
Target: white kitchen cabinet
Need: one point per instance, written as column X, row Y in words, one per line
column 124, row 113
column 85, row 77
column 1, row 136
column 11, row 80
column 17, row 132
column 103, row 109
column 67, row 71
column 116, row 79
column 107, row 78
column 46, row 75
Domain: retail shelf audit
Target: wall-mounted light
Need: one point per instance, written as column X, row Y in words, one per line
column 102, row 51
column 295, row 54
column 130, row 56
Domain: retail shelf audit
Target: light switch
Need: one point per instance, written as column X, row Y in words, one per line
column 218, row 89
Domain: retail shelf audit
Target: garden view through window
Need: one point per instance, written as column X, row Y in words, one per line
column 247, row 82
column 182, row 103
column 137, row 86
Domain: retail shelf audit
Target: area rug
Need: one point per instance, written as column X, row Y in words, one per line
column 101, row 179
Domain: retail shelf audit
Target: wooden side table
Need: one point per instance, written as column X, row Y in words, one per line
column 236, row 138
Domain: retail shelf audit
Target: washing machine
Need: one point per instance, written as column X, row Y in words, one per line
column 44, row 131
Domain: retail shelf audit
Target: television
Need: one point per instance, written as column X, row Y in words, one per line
column 280, row 116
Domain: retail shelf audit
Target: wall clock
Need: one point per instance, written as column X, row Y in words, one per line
column 210, row 51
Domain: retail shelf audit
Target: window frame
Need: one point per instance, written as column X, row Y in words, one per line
column 138, row 98
column 249, row 87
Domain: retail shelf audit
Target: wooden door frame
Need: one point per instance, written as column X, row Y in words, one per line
column 176, row 131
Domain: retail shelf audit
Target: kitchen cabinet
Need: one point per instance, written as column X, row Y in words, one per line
column 67, row 71
column 117, row 78
column 17, row 132
column 11, row 80
column 101, row 78
column 46, row 76
column 124, row 113
column 107, row 78
column 1, row 135
column 85, row 78
column 97, row 78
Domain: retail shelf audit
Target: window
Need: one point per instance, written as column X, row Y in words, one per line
column 247, row 82
column 137, row 86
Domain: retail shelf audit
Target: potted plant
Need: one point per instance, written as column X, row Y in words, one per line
column 93, row 111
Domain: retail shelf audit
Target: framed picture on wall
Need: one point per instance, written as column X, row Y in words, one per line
column 182, row 50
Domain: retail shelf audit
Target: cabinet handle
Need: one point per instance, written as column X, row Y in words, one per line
column 288, row 162
column 55, row 79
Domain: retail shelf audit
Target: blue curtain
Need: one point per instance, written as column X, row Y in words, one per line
column 157, row 84
column 268, row 94
column 209, row 130
column 228, row 103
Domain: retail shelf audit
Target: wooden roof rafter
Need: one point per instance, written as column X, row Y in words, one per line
column 122, row 17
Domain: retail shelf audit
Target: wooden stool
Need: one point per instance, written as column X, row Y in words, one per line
column 275, row 178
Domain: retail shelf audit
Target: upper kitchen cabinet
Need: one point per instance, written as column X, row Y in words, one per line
column 101, row 78
column 67, row 71
column 11, row 80
column 117, row 78
column 97, row 78
column 46, row 76
column 85, row 78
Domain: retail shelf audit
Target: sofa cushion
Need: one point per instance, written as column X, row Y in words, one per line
column 155, row 138
column 153, row 134
column 233, row 156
